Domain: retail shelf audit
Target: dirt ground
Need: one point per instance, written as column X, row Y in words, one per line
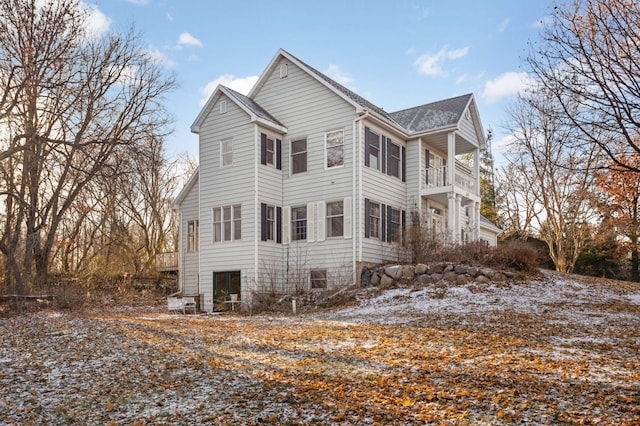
column 559, row 350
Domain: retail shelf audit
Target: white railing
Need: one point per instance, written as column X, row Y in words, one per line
column 465, row 181
column 437, row 177
column 167, row 261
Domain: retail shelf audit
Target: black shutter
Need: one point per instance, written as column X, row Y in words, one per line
column 367, row 145
column 404, row 223
column 426, row 162
column 404, row 164
column 263, row 149
column 263, row 221
column 278, row 154
column 383, row 156
column 390, row 236
column 279, row 225
column 367, row 218
column 383, row 213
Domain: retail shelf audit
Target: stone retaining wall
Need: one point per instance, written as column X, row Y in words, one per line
column 387, row 275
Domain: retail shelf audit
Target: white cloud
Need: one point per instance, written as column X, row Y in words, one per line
column 458, row 53
column 158, row 57
column 464, row 77
column 335, row 73
column 503, row 25
column 507, row 84
column 169, row 17
column 97, row 23
column 186, row 39
column 239, row 84
column 431, row 64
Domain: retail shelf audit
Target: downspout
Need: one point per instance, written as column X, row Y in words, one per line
column 357, row 193
column 256, row 159
column 180, row 253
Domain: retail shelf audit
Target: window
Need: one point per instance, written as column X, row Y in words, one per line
column 372, row 210
column 237, row 222
column 318, row 278
column 335, row 219
column 227, row 223
column 393, row 233
column 335, row 152
column 270, row 223
column 383, row 154
column 223, row 106
column 393, row 159
column 299, row 223
column 193, row 237
column 226, row 152
column 383, row 221
column 372, row 149
column 298, row 156
column 270, row 151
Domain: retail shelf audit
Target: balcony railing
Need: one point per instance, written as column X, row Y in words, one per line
column 437, row 177
column 166, row 262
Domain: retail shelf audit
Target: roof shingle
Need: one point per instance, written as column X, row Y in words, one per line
column 433, row 115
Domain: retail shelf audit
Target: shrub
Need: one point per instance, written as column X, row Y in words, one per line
column 516, row 255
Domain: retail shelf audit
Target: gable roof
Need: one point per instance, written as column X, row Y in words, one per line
column 186, row 189
column 248, row 105
column 360, row 103
column 434, row 115
column 251, row 106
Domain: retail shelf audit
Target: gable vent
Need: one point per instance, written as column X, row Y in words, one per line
column 284, row 70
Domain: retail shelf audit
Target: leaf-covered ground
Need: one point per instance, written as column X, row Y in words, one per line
column 552, row 351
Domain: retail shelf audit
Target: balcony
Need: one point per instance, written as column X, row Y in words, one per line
column 167, row 262
column 436, row 180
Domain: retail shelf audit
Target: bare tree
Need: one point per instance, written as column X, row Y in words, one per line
column 72, row 104
column 554, row 177
column 589, row 61
column 514, row 200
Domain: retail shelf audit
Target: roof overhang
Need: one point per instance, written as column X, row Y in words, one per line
column 253, row 118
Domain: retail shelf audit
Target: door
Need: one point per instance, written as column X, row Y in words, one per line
column 225, row 284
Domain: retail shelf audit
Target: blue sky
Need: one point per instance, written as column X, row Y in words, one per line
column 396, row 54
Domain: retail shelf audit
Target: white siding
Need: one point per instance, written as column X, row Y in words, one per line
column 389, row 190
column 189, row 262
column 467, row 128
column 225, row 186
column 309, row 109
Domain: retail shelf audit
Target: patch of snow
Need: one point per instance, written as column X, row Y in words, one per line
column 634, row 298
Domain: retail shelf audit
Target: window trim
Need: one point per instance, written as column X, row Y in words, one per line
column 264, row 151
column 370, row 223
column 328, row 220
column 321, row 277
column 223, row 152
column 378, row 164
column 391, row 159
column 327, row 148
column 297, row 224
column 233, row 223
column 273, row 224
column 193, row 236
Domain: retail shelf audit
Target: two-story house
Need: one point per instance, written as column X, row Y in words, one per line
column 302, row 181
